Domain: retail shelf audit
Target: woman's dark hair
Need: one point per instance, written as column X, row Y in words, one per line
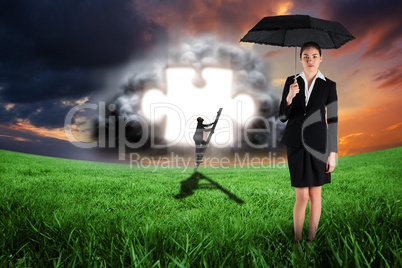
column 310, row 44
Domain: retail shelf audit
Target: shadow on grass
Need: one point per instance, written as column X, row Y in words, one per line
column 191, row 184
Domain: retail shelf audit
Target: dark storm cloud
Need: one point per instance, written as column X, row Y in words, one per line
column 48, row 114
column 35, row 82
column 228, row 19
column 7, row 115
column 73, row 33
column 52, row 50
column 376, row 22
column 249, row 77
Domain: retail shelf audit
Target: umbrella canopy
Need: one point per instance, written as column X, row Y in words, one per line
column 295, row 30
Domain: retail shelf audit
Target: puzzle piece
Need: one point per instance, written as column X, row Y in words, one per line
column 190, row 94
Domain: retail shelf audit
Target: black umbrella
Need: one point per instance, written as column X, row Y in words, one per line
column 295, row 30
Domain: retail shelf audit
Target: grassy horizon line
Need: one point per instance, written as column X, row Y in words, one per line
column 76, row 213
column 123, row 163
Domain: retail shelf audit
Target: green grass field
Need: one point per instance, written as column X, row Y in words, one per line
column 66, row 213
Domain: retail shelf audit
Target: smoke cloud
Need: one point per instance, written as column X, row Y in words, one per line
column 250, row 76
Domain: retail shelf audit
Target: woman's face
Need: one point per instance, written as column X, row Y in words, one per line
column 310, row 60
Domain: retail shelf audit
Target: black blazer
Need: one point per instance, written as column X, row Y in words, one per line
column 320, row 128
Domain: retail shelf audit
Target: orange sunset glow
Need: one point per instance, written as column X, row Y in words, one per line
column 367, row 80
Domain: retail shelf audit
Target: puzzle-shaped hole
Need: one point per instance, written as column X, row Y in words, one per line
column 190, row 94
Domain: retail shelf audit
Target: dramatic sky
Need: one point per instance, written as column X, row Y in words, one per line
column 55, row 55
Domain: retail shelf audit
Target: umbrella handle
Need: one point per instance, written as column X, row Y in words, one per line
column 295, row 62
column 296, row 75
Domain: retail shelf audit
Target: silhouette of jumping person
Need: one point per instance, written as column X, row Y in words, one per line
column 199, row 139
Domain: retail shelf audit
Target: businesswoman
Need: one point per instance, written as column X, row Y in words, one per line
column 309, row 105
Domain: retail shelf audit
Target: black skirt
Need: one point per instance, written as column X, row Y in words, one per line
column 306, row 170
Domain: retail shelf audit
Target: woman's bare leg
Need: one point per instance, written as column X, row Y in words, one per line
column 299, row 210
column 315, row 211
